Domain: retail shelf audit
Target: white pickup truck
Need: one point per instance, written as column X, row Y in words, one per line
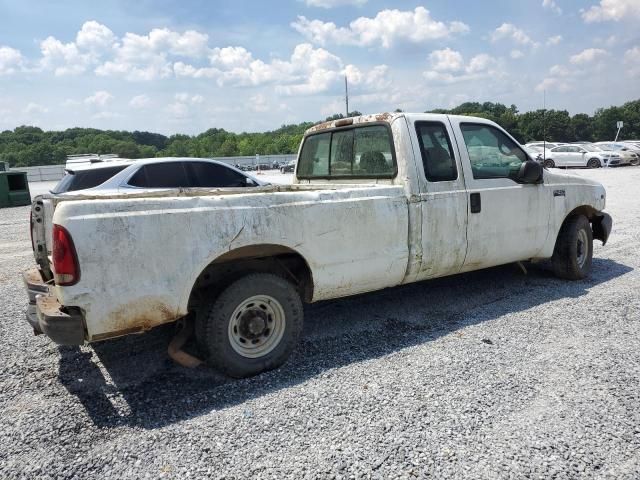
column 378, row 201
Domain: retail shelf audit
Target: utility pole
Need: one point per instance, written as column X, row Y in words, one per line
column 346, row 95
column 544, row 126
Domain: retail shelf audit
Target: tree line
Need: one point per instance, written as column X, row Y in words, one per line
column 31, row 146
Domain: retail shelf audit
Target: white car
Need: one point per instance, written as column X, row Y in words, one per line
column 539, row 153
column 133, row 176
column 547, row 145
column 628, row 156
column 588, row 156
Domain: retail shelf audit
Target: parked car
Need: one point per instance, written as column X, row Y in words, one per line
column 548, row 145
column 539, row 152
column 401, row 198
column 588, row 156
column 628, row 156
column 169, row 172
column 288, row 167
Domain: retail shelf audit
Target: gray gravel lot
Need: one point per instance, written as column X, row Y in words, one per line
column 491, row 374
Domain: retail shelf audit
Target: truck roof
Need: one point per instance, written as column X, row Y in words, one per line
column 388, row 117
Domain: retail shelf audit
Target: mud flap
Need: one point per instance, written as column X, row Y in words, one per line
column 601, row 225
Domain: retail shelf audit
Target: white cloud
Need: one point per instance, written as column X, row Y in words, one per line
column 258, row 103
column 99, row 99
column 145, row 57
column 62, row 58
column 334, row 3
column 308, row 71
column 446, row 60
column 552, row 5
column 10, row 60
column 516, row 54
column 447, row 66
column 385, row 29
column 178, row 110
column 35, row 108
column 553, row 83
column 632, row 60
column 554, row 40
column 588, row 56
column 71, row 103
column 140, row 102
column 95, row 37
column 511, row 32
column 614, row 10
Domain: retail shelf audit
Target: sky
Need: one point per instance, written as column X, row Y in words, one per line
column 185, row 67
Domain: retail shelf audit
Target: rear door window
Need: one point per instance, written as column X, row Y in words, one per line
column 161, row 175
column 212, row 175
column 437, row 154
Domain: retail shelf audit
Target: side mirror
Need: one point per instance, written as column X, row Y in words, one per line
column 530, row 172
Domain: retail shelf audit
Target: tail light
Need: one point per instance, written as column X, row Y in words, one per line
column 66, row 270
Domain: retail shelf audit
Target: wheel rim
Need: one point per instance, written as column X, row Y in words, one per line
column 582, row 250
column 257, row 326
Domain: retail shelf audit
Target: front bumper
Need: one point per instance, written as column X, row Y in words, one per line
column 601, row 225
column 46, row 315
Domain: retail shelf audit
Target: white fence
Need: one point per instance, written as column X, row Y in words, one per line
column 52, row 173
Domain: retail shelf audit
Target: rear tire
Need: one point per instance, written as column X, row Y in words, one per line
column 548, row 163
column 252, row 326
column 573, row 253
column 594, row 163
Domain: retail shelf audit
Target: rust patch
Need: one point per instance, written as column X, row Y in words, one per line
column 33, row 277
column 384, row 117
column 136, row 317
column 320, row 126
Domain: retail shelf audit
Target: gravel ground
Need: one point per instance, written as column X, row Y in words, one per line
column 491, row 374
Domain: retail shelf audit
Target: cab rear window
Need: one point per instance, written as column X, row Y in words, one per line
column 357, row 152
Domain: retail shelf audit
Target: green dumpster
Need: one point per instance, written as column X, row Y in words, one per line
column 14, row 189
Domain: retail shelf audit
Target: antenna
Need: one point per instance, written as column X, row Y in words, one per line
column 544, row 126
column 346, row 95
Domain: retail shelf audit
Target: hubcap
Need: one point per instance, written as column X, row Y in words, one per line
column 582, row 249
column 256, row 326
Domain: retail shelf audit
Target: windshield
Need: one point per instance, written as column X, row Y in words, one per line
column 83, row 179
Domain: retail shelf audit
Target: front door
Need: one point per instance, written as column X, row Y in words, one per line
column 508, row 221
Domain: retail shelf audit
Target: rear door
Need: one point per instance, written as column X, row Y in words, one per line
column 575, row 156
column 442, row 196
column 507, row 221
column 560, row 156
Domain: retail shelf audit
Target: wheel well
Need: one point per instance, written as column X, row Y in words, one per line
column 237, row 263
column 586, row 210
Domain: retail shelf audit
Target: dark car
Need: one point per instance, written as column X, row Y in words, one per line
column 288, row 167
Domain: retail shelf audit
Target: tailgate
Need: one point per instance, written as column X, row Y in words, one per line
column 41, row 230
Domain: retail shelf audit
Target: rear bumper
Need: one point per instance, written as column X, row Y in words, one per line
column 46, row 315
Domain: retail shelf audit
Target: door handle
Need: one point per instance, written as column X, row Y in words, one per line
column 475, row 202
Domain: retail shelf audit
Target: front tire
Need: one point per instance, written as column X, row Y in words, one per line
column 573, row 252
column 548, row 163
column 252, row 326
column 594, row 163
